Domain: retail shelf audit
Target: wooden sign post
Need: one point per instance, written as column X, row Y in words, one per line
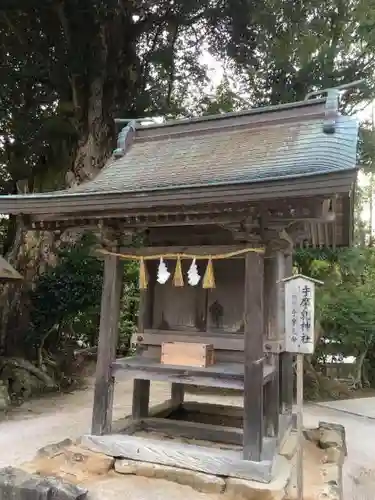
column 300, row 340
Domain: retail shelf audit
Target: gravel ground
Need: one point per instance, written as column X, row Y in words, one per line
column 51, row 419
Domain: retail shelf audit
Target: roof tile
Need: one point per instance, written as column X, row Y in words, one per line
column 231, row 156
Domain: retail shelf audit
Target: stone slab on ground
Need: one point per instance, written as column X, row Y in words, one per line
column 17, row 484
column 204, row 483
column 251, row 490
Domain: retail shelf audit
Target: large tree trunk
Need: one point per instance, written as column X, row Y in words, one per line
column 112, row 82
column 32, row 251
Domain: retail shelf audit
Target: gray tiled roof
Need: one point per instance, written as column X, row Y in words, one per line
column 246, row 155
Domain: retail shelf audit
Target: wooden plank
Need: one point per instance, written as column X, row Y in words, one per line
column 213, row 409
column 253, row 373
column 194, row 430
column 222, row 341
column 151, row 368
column 219, row 370
column 177, row 393
column 108, row 335
column 187, row 456
column 182, row 379
column 141, row 398
column 229, row 275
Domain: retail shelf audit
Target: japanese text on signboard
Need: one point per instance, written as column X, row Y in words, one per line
column 299, row 311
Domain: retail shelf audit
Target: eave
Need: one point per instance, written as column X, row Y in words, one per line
column 54, row 205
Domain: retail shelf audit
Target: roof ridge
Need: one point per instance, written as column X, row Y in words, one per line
column 220, row 116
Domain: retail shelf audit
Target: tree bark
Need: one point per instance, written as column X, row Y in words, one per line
column 357, row 382
column 30, row 254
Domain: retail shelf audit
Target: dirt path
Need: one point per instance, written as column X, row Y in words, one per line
column 52, row 419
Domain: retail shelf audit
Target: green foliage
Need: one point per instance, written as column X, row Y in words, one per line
column 66, row 299
column 347, row 309
column 345, row 303
column 129, row 308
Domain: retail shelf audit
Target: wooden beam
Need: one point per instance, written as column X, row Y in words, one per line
column 204, row 250
column 108, row 336
column 253, row 370
column 194, row 430
column 221, row 341
column 200, row 458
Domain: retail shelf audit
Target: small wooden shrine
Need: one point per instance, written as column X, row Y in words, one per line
column 219, row 203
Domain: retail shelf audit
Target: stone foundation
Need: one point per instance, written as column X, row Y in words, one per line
column 69, row 466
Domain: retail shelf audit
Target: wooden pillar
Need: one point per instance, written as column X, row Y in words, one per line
column 177, row 393
column 141, row 398
column 108, row 336
column 253, row 369
column 287, row 359
column 274, row 295
column 141, row 387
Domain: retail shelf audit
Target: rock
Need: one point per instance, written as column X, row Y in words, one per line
column 123, row 466
column 54, row 448
column 204, row 483
column 250, row 490
column 73, row 462
column 312, row 435
column 334, row 455
column 4, row 397
column 25, row 378
column 17, row 484
column 331, row 474
column 332, row 435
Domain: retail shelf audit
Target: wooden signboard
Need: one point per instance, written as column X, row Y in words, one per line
column 300, row 314
column 300, row 340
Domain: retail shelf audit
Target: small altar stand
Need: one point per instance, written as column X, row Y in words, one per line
column 219, row 203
